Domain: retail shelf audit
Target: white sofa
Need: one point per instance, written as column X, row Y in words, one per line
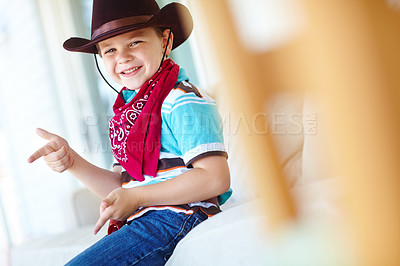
column 238, row 235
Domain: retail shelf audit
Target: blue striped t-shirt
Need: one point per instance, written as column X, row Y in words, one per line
column 191, row 128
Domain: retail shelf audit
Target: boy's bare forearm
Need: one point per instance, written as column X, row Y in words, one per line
column 209, row 178
column 100, row 181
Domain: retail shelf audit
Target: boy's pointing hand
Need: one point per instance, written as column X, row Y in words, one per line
column 56, row 153
column 118, row 205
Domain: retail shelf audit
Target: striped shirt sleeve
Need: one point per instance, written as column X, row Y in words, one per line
column 196, row 124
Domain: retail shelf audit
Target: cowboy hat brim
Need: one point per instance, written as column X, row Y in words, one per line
column 173, row 16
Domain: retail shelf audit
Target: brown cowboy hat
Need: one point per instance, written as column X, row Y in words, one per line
column 114, row 17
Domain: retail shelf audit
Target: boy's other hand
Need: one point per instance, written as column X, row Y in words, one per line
column 56, row 153
column 118, row 205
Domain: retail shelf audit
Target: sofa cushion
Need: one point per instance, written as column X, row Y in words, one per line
column 239, row 235
column 228, row 238
column 317, row 158
column 285, row 115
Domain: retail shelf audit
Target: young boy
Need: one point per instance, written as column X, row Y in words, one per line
column 165, row 135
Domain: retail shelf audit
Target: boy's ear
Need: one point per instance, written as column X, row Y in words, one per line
column 165, row 40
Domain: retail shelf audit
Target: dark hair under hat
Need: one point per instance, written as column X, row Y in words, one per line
column 114, row 17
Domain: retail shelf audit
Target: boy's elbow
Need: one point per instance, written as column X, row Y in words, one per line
column 222, row 182
column 218, row 182
column 226, row 183
column 217, row 172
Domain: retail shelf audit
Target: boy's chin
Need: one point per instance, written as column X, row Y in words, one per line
column 134, row 85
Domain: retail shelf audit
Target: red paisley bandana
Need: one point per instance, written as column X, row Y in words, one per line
column 135, row 129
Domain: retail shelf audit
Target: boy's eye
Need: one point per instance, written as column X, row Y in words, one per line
column 135, row 43
column 109, row 51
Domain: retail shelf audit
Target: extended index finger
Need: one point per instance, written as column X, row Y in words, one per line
column 46, row 149
column 104, row 217
column 46, row 134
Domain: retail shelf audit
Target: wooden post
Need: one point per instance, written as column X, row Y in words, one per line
column 352, row 59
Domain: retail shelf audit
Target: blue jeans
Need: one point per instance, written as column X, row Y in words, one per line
column 148, row 240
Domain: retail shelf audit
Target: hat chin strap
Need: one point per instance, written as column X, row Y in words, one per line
column 166, row 47
column 108, row 83
column 101, row 74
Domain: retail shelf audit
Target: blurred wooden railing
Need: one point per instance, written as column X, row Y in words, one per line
column 348, row 54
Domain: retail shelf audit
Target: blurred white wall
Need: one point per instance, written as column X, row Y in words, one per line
column 41, row 85
column 27, row 99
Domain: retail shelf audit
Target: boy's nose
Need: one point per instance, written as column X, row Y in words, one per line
column 124, row 57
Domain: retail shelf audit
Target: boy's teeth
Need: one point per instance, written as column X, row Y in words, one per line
column 131, row 70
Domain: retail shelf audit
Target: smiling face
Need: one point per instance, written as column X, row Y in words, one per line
column 133, row 58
